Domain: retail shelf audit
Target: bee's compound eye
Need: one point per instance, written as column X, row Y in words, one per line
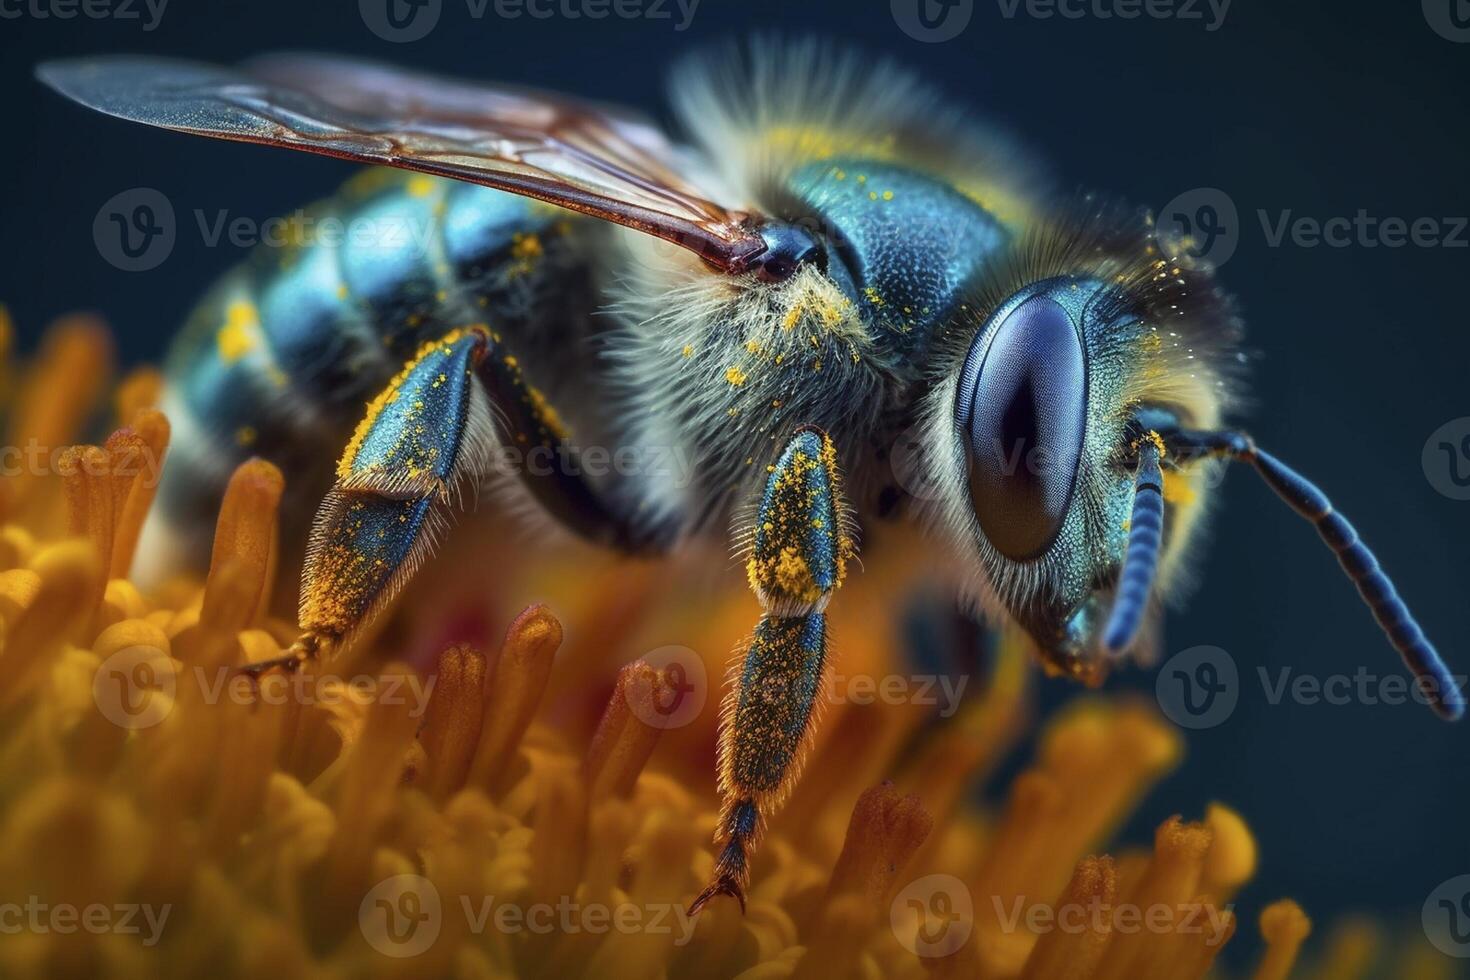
column 1021, row 411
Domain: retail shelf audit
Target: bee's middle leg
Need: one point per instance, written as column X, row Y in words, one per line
column 799, row 548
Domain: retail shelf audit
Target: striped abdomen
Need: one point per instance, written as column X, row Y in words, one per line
column 282, row 354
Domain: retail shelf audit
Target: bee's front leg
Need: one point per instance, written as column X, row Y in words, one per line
column 799, row 549
column 423, row 443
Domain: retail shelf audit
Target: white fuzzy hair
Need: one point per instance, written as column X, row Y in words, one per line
column 730, row 366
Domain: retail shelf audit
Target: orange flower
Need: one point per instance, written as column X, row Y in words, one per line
column 161, row 815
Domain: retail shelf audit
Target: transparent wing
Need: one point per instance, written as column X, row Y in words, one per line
column 604, row 162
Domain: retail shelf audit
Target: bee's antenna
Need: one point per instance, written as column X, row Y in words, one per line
column 1356, row 559
column 1141, row 559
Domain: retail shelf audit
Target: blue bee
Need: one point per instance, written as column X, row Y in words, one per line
column 542, row 276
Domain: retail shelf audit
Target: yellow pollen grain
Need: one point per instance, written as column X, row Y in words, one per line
column 547, row 415
column 1177, row 490
column 241, row 331
column 526, row 246
column 735, row 376
column 793, row 576
column 688, row 350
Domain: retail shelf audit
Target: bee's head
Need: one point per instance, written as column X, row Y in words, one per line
column 1044, row 382
column 1045, row 412
column 1077, row 422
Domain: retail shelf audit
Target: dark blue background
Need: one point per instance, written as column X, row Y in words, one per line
column 1319, row 107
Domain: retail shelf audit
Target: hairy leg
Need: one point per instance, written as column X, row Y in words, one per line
column 422, row 445
column 799, row 547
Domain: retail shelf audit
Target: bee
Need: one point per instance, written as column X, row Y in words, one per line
column 835, row 261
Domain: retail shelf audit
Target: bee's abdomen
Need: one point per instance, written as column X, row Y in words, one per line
column 283, row 352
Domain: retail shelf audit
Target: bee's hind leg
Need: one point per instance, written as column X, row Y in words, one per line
column 798, row 552
column 424, row 442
